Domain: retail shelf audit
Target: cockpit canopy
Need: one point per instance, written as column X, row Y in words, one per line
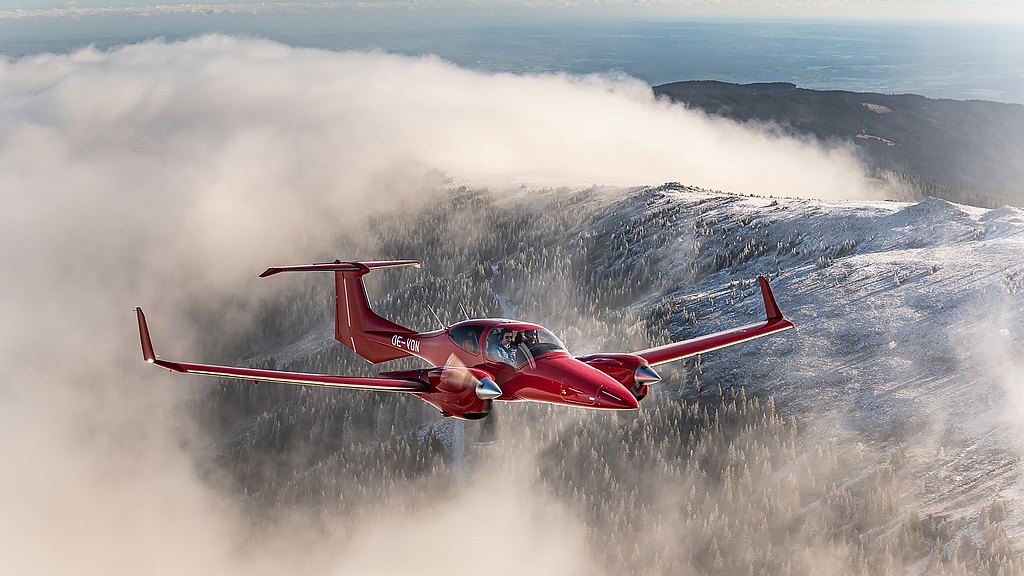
column 516, row 344
column 467, row 336
column 513, row 343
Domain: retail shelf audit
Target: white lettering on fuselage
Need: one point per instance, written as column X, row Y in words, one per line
column 407, row 343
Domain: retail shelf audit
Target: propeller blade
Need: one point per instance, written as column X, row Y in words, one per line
column 457, row 376
column 488, row 433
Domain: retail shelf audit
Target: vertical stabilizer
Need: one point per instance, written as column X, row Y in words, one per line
column 355, row 324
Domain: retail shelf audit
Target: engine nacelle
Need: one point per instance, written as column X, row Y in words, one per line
column 630, row 370
column 456, row 391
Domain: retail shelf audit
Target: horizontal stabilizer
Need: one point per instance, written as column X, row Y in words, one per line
column 339, row 266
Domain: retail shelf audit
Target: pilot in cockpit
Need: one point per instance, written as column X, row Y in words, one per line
column 508, row 345
column 504, row 350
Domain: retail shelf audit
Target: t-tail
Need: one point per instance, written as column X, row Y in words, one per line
column 355, row 324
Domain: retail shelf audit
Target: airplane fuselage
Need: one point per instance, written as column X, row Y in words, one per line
column 554, row 376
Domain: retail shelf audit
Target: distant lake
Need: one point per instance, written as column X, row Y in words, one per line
column 940, row 61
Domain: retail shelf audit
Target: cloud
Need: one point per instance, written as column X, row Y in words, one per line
column 168, row 175
column 495, row 510
column 991, row 345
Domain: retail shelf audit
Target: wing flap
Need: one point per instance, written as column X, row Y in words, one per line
column 298, row 378
column 776, row 322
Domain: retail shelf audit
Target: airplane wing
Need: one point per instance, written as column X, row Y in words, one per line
column 776, row 322
column 302, row 379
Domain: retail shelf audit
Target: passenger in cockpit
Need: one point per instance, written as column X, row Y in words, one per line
column 469, row 342
column 530, row 338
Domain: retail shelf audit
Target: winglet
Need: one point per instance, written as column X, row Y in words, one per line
column 770, row 307
column 147, row 346
column 147, row 343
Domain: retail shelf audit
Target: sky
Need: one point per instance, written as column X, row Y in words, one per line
column 873, row 10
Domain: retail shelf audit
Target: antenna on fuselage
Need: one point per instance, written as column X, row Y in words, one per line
column 436, row 317
column 463, row 308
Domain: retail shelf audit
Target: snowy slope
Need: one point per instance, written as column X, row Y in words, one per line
column 909, row 335
column 907, row 347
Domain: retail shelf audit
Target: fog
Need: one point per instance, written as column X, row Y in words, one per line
column 170, row 175
column 999, row 362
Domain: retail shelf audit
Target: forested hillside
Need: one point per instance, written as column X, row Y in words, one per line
column 864, row 442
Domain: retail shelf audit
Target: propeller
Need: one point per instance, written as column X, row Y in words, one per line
column 485, row 389
column 457, row 376
column 644, row 374
column 488, row 433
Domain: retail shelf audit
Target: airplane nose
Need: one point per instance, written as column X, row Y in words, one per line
column 615, row 399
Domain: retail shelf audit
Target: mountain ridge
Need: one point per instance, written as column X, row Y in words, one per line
column 963, row 151
column 887, row 412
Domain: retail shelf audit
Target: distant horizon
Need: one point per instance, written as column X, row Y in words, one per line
column 897, row 11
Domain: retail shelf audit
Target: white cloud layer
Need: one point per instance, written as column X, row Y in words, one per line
column 160, row 174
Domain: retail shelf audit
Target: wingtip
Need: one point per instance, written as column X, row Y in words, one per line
column 147, row 343
column 269, row 272
column 771, row 308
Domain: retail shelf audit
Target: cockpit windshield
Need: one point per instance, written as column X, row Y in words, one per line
column 517, row 347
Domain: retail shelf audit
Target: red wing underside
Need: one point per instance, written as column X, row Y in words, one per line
column 776, row 322
column 300, row 378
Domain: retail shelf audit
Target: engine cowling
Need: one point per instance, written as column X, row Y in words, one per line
column 460, row 392
column 630, row 370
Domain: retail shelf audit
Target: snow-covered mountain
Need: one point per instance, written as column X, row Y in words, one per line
column 883, row 435
column 909, row 330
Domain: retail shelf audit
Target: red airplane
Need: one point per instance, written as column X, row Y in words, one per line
column 475, row 362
